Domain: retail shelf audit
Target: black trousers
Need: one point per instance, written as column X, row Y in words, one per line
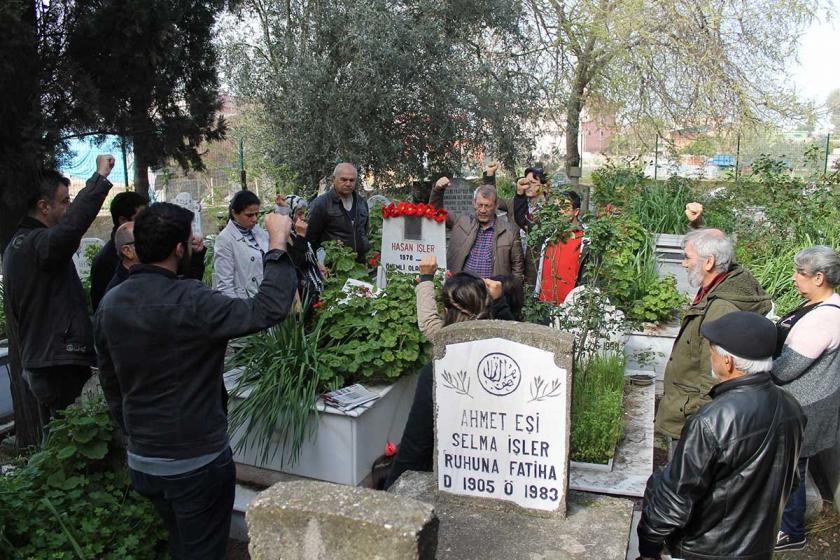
column 418, row 441
column 195, row 506
column 55, row 388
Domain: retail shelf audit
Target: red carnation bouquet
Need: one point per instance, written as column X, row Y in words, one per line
column 414, row 209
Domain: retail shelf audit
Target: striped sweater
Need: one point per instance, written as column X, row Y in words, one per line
column 809, row 369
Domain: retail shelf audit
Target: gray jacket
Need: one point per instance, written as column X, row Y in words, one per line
column 237, row 267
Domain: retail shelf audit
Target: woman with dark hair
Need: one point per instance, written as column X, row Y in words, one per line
column 466, row 297
column 239, row 248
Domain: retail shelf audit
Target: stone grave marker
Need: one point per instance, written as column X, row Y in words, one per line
column 458, row 196
column 185, row 200
column 407, row 239
column 80, row 260
column 503, row 406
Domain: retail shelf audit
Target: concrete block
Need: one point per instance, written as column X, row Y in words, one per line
column 310, row 520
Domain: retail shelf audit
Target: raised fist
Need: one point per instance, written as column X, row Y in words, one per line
column 280, row 200
column 494, row 288
column 442, row 183
column 492, row 167
column 104, row 164
column 522, row 185
column 428, row 264
column 693, row 210
column 278, row 227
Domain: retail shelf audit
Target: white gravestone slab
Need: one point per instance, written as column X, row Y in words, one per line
column 502, row 423
column 185, row 200
column 79, row 257
column 407, row 239
column 458, row 196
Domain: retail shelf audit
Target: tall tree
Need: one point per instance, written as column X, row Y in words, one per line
column 693, row 62
column 404, row 87
column 160, row 87
column 832, row 104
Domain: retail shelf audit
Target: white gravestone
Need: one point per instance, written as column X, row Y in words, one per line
column 407, row 239
column 79, row 257
column 185, row 200
column 458, row 196
column 502, row 423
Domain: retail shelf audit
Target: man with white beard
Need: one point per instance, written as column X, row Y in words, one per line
column 723, row 287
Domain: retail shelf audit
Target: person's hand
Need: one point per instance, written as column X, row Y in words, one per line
column 494, row 288
column 492, row 167
column 197, row 243
column 104, row 164
column 279, row 228
column 522, row 185
column 301, row 227
column 442, row 183
column 428, row 264
column 693, row 210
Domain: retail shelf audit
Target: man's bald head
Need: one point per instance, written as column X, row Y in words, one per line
column 344, row 179
column 124, row 244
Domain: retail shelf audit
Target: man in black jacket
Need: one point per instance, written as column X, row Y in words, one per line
column 47, row 308
column 161, row 342
column 340, row 214
column 734, row 466
column 124, row 207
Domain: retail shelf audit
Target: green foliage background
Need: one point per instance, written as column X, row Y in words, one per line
column 74, row 500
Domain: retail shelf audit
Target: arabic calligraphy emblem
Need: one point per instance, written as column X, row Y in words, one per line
column 499, row 374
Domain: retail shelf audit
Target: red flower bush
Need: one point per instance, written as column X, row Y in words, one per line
column 414, row 209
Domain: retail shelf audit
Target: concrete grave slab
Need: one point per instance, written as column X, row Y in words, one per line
column 309, row 520
column 594, row 527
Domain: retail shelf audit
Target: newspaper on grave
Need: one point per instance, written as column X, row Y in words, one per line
column 406, row 240
column 185, row 200
column 502, row 414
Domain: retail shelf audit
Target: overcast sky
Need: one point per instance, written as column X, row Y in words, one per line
column 819, row 61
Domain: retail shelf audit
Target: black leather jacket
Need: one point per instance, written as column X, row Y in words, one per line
column 329, row 221
column 722, row 495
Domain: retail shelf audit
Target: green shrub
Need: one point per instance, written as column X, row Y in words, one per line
column 73, row 499
column 597, row 408
column 660, row 206
column 616, row 185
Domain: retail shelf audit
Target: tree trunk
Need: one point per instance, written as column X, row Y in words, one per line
column 573, row 110
column 27, row 423
column 141, row 172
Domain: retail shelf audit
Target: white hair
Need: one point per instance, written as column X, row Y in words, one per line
column 487, row 191
column 710, row 242
column 819, row 258
column 745, row 365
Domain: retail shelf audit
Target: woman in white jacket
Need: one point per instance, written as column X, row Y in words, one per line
column 239, row 249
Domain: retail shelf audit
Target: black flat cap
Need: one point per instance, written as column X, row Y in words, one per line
column 745, row 334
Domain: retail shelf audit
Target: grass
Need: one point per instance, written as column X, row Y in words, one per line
column 597, row 408
column 279, row 385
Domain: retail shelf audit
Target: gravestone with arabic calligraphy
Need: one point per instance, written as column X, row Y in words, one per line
column 502, row 414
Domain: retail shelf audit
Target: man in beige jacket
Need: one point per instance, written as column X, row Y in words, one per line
column 484, row 244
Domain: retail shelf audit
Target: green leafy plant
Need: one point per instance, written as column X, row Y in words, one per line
column 660, row 300
column 282, row 376
column 660, row 207
column 74, row 499
column 549, row 226
column 616, row 185
column 372, row 338
column 209, row 242
column 597, row 408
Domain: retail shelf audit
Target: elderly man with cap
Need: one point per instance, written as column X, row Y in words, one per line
column 722, row 494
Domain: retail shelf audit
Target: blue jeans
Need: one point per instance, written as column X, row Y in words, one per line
column 793, row 517
column 195, row 507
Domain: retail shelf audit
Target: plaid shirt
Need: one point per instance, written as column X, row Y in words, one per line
column 480, row 259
